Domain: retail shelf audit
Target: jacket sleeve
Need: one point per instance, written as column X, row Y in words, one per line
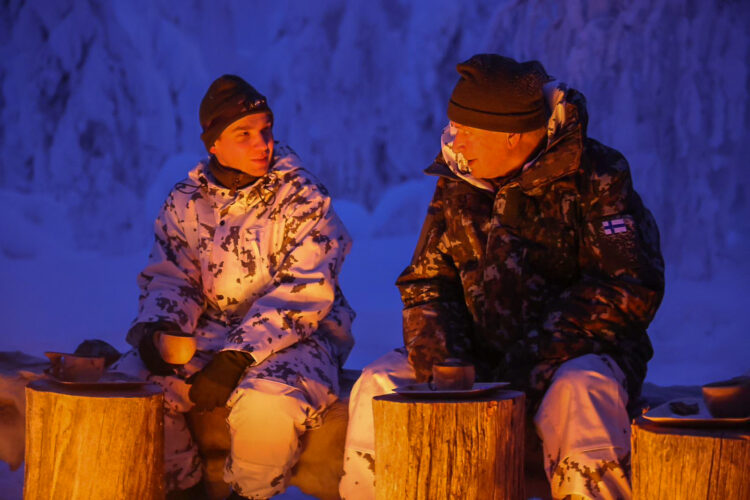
column 621, row 284
column 303, row 287
column 436, row 322
column 171, row 286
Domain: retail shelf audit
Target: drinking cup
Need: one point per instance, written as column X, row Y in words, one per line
column 453, row 374
column 176, row 348
column 728, row 398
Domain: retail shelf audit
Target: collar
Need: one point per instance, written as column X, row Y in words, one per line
column 229, row 177
column 562, row 157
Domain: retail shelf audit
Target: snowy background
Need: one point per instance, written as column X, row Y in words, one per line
column 99, row 117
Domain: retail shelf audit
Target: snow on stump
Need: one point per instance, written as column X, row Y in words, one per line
column 93, row 443
column 680, row 462
column 439, row 448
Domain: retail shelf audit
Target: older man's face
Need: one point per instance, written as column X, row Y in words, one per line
column 489, row 154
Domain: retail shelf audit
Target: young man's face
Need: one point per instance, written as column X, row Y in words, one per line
column 489, row 154
column 246, row 145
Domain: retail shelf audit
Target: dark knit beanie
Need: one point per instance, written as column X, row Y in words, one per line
column 227, row 100
column 500, row 94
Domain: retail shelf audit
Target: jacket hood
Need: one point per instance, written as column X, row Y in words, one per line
column 567, row 122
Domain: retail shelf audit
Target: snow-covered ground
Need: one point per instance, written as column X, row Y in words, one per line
column 11, row 486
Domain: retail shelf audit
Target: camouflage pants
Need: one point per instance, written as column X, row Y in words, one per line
column 582, row 422
column 274, row 403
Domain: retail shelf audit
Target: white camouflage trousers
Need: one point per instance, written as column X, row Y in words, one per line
column 582, row 422
column 273, row 404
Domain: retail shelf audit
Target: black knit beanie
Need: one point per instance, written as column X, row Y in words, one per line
column 228, row 99
column 500, row 94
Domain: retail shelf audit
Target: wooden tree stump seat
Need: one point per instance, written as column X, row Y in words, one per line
column 319, row 468
column 690, row 463
column 457, row 448
column 86, row 443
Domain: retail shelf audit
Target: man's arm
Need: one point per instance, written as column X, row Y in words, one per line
column 622, row 273
column 171, row 286
column 302, row 290
column 436, row 323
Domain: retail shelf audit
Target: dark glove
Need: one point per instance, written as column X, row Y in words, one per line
column 148, row 351
column 213, row 385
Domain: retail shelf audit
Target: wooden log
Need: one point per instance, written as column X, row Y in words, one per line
column 86, row 443
column 699, row 464
column 468, row 448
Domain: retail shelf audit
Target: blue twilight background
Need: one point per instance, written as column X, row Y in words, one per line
column 98, row 109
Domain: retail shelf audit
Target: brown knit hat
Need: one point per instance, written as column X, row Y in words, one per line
column 498, row 93
column 228, row 99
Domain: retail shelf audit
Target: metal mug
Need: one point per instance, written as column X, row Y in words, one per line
column 452, row 374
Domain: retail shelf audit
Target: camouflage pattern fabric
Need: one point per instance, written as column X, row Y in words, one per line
column 271, row 407
column 254, row 269
column 558, row 261
column 585, row 430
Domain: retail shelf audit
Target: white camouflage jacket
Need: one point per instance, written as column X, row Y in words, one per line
column 253, row 270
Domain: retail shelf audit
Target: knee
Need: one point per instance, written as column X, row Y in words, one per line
column 381, row 367
column 587, row 374
column 371, row 374
column 578, row 379
column 267, row 404
column 383, row 375
column 265, row 426
column 581, row 390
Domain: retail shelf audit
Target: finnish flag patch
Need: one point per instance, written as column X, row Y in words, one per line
column 614, row 226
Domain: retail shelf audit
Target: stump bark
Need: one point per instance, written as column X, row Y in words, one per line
column 83, row 444
column 468, row 448
column 679, row 462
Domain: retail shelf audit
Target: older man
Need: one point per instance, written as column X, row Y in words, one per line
column 247, row 255
column 538, row 263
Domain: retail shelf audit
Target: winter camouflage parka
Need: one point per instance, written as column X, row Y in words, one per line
column 558, row 261
column 252, row 269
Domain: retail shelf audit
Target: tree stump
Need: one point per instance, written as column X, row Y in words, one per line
column 92, row 443
column 679, row 462
column 467, row 448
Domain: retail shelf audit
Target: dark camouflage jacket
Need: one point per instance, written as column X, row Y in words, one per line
column 559, row 261
column 252, row 269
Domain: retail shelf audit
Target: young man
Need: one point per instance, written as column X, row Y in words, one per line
column 247, row 255
column 539, row 264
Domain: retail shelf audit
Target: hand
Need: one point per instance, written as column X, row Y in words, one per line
column 212, row 386
column 148, row 351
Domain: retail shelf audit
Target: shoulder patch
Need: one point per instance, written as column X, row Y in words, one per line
column 617, row 225
column 617, row 242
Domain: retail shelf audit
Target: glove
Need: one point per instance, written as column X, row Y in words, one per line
column 147, row 349
column 212, row 386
